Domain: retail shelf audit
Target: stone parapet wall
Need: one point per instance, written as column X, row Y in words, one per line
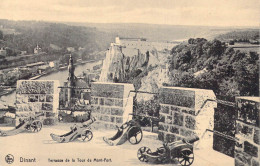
column 247, row 147
column 111, row 103
column 180, row 113
column 35, row 96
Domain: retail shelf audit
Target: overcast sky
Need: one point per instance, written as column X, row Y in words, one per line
column 175, row 12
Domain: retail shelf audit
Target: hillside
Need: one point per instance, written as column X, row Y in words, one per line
column 196, row 64
column 212, row 65
column 27, row 34
column 156, row 32
column 240, row 36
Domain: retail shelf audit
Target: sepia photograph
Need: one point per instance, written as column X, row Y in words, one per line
column 129, row 83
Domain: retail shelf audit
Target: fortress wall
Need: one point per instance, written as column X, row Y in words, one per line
column 181, row 115
column 37, row 96
column 146, row 45
column 247, row 149
column 111, row 103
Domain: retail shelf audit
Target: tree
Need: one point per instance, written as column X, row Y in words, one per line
column 1, row 35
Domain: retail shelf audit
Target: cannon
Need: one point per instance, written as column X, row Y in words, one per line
column 130, row 131
column 78, row 131
column 182, row 150
column 30, row 124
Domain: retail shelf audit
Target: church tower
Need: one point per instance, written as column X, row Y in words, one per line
column 71, row 79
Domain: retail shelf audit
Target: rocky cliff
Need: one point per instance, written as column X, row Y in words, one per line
column 145, row 68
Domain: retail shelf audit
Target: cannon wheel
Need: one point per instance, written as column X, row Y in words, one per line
column 140, row 153
column 87, row 135
column 36, row 126
column 186, row 157
column 134, row 135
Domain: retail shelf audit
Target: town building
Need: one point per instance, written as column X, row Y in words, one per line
column 2, row 51
column 23, row 52
column 75, row 93
column 71, row 49
column 143, row 44
column 37, row 49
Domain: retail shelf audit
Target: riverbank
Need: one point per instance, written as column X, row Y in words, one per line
column 8, row 89
column 60, row 75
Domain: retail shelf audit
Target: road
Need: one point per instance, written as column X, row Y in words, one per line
column 96, row 152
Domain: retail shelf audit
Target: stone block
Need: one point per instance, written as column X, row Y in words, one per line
column 106, row 125
column 98, row 116
column 174, row 129
column 112, row 126
column 42, row 98
column 161, row 136
column 248, row 131
column 94, row 100
column 105, row 111
column 186, row 133
column 119, row 102
column 174, row 108
column 188, row 111
column 255, row 162
column 21, row 99
column 112, row 119
column 176, row 99
column 109, row 102
column 33, row 98
column 47, row 106
column 109, row 90
column 243, row 157
column 239, row 127
column 49, row 98
column 169, row 120
column 178, row 119
column 117, row 111
column 95, row 109
column 164, row 109
column 170, row 138
column 190, row 122
column 257, row 136
column 162, row 118
column 190, row 98
column 239, row 163
column 248, row 110
column 119, row 120
column 250, row 149
column 35, row 87
column 163, row 127
column 101, row 101
column 37, row 107
column 105, row 118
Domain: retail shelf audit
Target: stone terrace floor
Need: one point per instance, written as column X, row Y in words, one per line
column 40, row 146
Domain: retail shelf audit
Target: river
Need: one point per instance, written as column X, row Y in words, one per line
column 60, row 75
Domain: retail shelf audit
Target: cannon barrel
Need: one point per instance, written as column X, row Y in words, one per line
column 191, row 139
column 40, row 114
column 89, row 122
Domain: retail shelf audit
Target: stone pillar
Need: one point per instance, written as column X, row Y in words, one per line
column 37, row 96
column 181, row 114
column 111, row 103
column 247, row 131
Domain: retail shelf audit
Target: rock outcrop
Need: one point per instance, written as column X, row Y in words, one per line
column 147, row 68
column 122, row 63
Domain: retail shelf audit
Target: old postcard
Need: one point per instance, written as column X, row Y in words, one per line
column 129, row 82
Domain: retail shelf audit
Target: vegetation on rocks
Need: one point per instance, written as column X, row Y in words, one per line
column 212, row 65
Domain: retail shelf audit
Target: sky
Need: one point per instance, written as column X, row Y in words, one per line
column 173, row 12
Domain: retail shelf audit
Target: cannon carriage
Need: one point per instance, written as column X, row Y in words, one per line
column 181, row 150
column 129, row 131
column 78, row 131
column 30, row 124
